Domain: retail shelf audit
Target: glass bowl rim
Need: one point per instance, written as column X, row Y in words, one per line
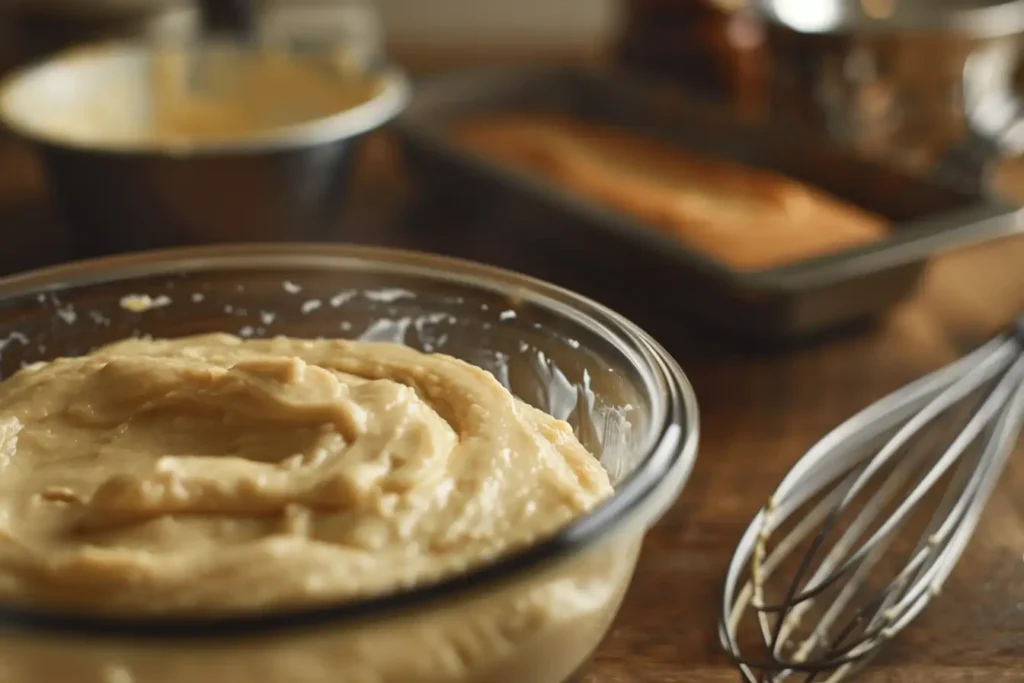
column 670, row 448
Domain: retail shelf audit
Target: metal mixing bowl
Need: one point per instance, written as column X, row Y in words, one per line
column 285, row 185
column 532, row 617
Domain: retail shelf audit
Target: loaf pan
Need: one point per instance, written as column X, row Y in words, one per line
column 782, row 304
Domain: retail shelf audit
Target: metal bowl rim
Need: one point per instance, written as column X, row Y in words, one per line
column 390, row 100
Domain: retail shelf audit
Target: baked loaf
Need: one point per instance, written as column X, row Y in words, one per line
column 744, row 217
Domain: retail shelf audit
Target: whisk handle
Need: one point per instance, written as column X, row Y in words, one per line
column 232, row 17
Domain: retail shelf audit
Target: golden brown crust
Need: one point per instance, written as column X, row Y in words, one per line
column 744, row 217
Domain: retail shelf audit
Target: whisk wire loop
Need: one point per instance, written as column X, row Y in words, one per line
column 875, row 473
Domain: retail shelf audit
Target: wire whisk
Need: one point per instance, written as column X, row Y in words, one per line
column 865, row 529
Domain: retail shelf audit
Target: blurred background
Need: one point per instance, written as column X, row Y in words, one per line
column 438, row 30
column 907, row 109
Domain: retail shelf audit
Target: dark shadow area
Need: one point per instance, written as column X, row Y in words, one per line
column 32, row 236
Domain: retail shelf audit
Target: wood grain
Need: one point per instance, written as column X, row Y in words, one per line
column 759, row 415
column 760, row 412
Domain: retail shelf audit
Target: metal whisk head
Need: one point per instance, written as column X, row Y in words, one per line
column 868, row 525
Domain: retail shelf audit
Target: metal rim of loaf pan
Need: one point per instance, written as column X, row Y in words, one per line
column 783, row 303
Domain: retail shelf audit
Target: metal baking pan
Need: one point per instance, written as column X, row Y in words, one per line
column 783, row 304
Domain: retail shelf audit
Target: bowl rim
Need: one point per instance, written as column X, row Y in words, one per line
column 391, row 99
column 670, row 447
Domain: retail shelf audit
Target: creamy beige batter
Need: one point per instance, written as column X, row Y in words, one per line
column 178, row 96
column 214, row 95
column 212, row 474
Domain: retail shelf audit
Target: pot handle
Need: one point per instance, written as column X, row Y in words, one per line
column 233, row 17
column 994, row 108
column 994, row 115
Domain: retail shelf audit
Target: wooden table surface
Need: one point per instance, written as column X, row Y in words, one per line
column 760, row 412
column 758, row 415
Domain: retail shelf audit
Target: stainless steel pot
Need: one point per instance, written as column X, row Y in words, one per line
column 909, row 81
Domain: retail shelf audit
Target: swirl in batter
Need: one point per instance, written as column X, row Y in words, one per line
column 216, row 474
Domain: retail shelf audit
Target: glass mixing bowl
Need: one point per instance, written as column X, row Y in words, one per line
column 532, row 617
